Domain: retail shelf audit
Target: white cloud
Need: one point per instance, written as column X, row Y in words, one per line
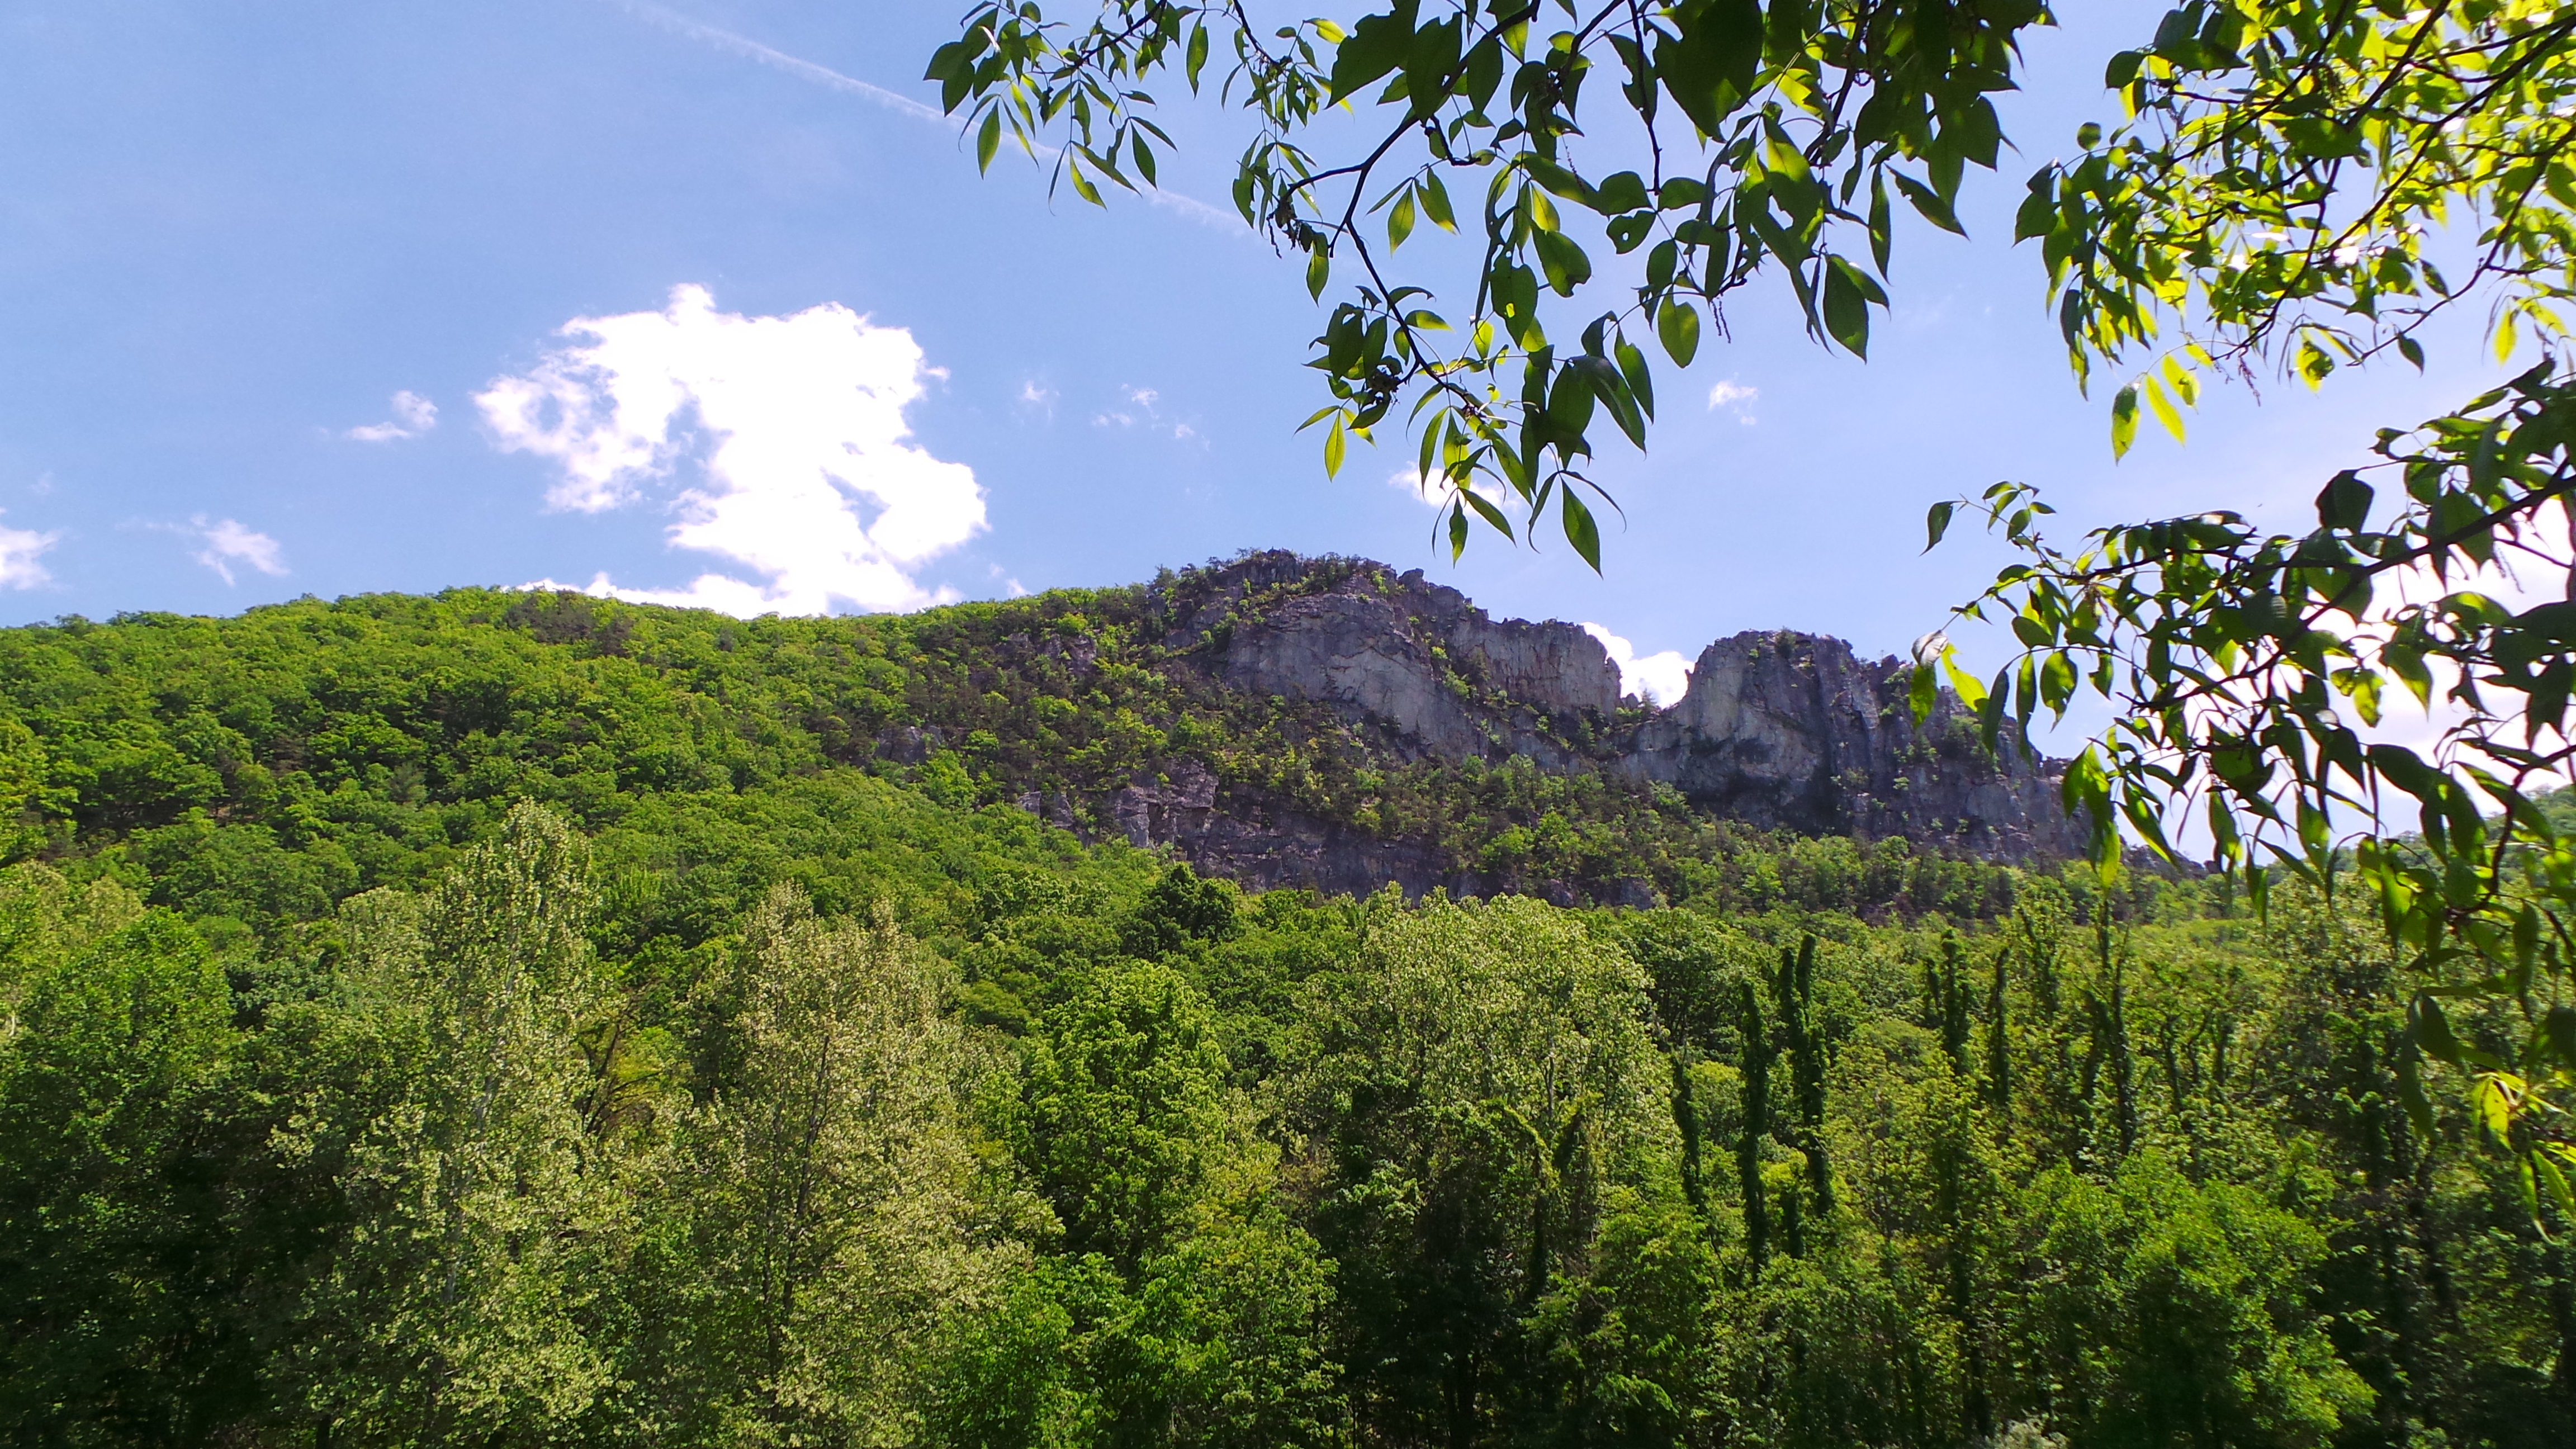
column 229, row 543
column 20, row 548
column 1659, row 677
column 806, row 472
column 413, row 416
column 1733, row 394
column 1032, row 395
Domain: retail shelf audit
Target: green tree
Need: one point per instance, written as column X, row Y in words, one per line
column 483, row 1213
column 815, row 1220
column 1478, row 1086
column 112, row 1328
column 2159, row 1312
column 2281, row 194
column 1127, row 1111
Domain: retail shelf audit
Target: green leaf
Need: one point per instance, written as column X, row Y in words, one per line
column 1319, row 271
column 988, row 140
column 2410, row 1080
column 1334, row 445
column 1562, row 182
column 1936, row 522
column 1429, row 59
column 1486, row 510
column 2124, row 421
column 2038, row 214
column 1632, row 368
column 2163, row 407
column 1970, row 689
column 1612, row 390
column 1679, row 192
column 1677, row 327
column 2429, row 1029
column 1928, row 203
column 2314, row 363
column 1435, row 202
column 1847, row 297
column 1580, row 529
column 1565, row 264
column 1198, row 54
column 2344, row 502
column 1569, row 406
column 1620, row 191
column 1399, row 224
column 1709, row 68
column 1378, row 44
column 2559, row 1028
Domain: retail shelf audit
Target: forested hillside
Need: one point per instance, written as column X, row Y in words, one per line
column 518, row 1019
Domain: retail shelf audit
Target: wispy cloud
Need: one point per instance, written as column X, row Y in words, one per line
column 20, row 550
column 806, row 472
column 731, row 43
column 1733, row 394
column 413, row 416
column 1145, row 414
column 779, row 60
column 228, row 543
column 1662, row 678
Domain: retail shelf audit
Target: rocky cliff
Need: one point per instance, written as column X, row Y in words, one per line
column 1778, row 730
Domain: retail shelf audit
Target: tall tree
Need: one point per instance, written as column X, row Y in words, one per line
column 817, row 1215
column 483, row 1217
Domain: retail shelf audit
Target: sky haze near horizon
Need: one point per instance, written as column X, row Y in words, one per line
column 705, row 303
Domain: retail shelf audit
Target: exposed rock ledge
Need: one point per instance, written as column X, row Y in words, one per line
column 1779, row 729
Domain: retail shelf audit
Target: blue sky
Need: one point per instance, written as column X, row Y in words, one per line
column 287, row 285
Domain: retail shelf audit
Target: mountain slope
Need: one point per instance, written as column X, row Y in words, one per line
column 1319, row 723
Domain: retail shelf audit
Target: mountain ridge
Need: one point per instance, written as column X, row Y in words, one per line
column 1319, row 723
column 1778, row 731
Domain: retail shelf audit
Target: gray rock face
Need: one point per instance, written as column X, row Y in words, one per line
column 1777, row 729
column 1358, row 652
column 1414, row 657
column 1791, row 730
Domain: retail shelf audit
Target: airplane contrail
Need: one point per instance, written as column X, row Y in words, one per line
column 727, row 41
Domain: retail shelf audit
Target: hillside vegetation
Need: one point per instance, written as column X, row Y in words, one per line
column 512, row 1019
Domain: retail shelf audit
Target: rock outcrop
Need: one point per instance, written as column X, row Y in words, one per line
column 1792, row 731
column 1777, row 729
column 1335, row 725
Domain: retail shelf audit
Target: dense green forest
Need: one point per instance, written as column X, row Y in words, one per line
column 513, row 1019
